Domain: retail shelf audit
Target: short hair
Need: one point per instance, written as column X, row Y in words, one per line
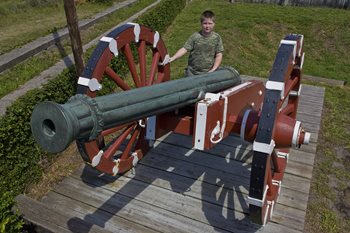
column 208, row 15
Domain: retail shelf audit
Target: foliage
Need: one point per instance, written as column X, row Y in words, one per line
column 19, row 74
column 162, row 15
column 101, row 1
column 8, row 221
column 20, row 158
column 39, row 20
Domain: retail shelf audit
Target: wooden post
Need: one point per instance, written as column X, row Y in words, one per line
column 74, row 33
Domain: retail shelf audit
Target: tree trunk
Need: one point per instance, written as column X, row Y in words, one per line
column 74, row 33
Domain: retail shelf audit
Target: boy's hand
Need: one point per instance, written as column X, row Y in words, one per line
column 166, row 60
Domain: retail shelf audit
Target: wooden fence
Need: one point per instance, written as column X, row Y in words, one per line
column 345, row 4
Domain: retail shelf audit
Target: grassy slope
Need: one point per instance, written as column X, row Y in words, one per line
column 251, row 34
column 250, row 30
column 15, row 16
column 21, row 73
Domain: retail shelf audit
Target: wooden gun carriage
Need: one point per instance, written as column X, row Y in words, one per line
column 115, row 131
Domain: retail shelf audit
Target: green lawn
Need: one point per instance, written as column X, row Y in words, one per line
column 21, row 73
column 22, row 21
column 251, row 34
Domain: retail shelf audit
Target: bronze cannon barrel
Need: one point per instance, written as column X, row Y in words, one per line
column 55, row 126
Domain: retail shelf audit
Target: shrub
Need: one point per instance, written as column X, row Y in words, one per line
column 20, row 157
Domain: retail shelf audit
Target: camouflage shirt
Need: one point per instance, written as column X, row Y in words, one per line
column 202, row 51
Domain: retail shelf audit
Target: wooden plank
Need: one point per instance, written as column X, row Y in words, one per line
column 240, row 149
column 128, row 201
column 189, row 186
column 198, row 158
column 309, row 118
column 311, row 99
column 195, row 171
column 309, row 90
column 313, row 110
column 46, row 219
column 230, row 158
column 93, row 215
column 301, row 157
column 184, row 204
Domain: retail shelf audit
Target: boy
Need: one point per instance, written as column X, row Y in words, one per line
column 205, row 48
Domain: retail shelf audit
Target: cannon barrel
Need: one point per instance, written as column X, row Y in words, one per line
column 55, row 126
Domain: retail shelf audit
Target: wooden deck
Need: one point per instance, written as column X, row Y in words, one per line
column 176, row 189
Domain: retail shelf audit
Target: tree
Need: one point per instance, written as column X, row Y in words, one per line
column 74, row 33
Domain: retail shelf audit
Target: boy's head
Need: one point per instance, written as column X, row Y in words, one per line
column 207, row 22
column 208, row 15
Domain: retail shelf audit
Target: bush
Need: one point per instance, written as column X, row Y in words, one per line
column 20, row 157
column 101, row 1
column 162, row 15
column 8, row 221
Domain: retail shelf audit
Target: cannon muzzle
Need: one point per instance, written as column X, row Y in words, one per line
column 55, row 126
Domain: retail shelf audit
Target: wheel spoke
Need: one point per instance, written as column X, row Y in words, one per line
column 289, row 109
column 142, row 62
column 108, row 154
column 160, row 78
column 147, row 72
column 290, row 85
column 118, row 80
column 130, row 144
column 113, row 130
column 276, row 165
column 154, row 67
column 269, row 178
column 131, row 64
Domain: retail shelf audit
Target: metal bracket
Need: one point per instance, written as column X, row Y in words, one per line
column 278, row 86
column 97, row 158
column 301, row 44
column 156, row 38
column 112, row 44
column 201, row 119
column 93, row 83
column 264, row 147
column 296, row 93
column 291, row 42
column 151, row 128
column 296, row 133
column 258, row 202
column 244, row 123
column 135, row 159
column 282, row 155
column 137, row 31
column 116, row 167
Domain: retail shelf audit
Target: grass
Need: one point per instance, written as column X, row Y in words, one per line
column 21, row 73
column 250, row 30
column 328, row 205
column 43, row 16
column 251, row 34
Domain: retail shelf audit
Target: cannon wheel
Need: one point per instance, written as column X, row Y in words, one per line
column 281, row 98
column 105, row 151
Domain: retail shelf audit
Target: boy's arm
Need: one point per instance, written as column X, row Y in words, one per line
column 217, row 62
column 178, row 54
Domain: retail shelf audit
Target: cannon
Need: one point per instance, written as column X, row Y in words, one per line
column 113, row 132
